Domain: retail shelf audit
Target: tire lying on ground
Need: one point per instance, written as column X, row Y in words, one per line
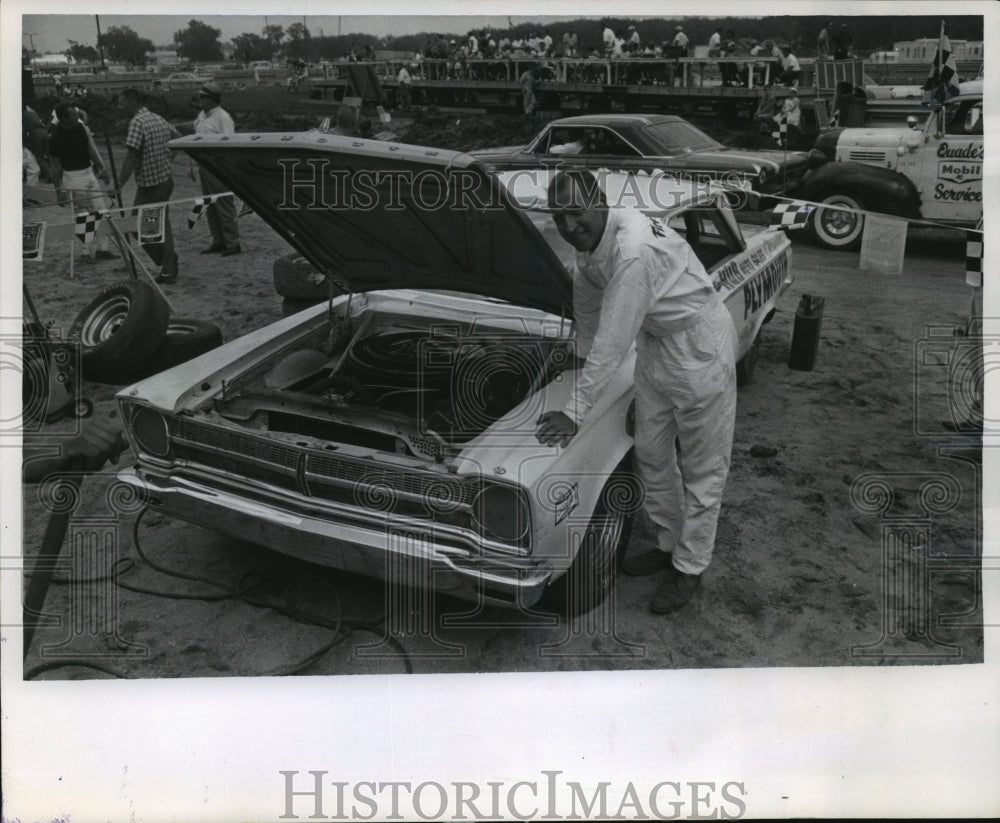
column 294, row 277
column 186, row 338
column 119, row 331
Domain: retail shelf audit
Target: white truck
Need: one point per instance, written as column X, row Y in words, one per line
column 934, row 173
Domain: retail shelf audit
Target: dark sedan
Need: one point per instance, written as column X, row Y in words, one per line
column 648, row 142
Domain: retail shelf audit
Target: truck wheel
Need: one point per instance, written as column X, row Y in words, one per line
column 745, row 365
column 835, row 228
column 186, row 338
column 593, row 572
column 292, row 274
column 119, row 331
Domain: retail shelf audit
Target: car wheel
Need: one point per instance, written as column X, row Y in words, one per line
column 295, row 278
column 593, row 572
column 745, row 365
column 119, row 331
column 836, row 228
column 186, row 338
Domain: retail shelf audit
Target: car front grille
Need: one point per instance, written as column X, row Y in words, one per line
column 323, row 476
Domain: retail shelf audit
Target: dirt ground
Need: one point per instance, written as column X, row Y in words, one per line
column 848, row 533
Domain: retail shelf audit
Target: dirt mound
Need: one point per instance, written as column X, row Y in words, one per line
column 465, row 132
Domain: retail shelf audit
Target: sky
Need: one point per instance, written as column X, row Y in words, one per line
column 51, row 32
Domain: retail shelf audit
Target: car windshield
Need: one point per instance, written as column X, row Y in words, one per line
column 677, row 136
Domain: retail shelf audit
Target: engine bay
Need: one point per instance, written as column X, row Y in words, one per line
column 392, row 386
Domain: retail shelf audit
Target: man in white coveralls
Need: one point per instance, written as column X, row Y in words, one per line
column 634, row 280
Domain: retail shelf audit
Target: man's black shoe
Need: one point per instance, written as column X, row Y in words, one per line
column 215, row 248
column 675, row 593
column 647, row 563
column 166, row 278
column 229, row 251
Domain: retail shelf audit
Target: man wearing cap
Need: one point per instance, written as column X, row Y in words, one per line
column 680, row 39
column 636, row 281
column 149, row 159
column 215, row 120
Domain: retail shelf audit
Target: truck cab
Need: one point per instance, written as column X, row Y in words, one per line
column 934, row 172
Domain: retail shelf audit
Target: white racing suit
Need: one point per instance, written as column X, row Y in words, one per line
column 644, row 284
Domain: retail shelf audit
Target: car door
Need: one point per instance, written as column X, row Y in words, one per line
column 951, row 163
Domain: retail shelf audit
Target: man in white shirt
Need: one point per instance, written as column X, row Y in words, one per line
column 636, row 281
column 680, row 38
column 214, row 120
column 609, row 40
column 405, row 81
column 790, row 70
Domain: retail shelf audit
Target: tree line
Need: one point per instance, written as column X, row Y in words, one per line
column 199, row 42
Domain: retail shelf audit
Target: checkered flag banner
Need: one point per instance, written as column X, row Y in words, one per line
column 974, row 256
column 794, row 214
column 86, row 225
column 199, row 206
column 781, row 135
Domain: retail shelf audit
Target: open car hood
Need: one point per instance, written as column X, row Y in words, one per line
column 377, row 215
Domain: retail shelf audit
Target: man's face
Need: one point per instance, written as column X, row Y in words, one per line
column 581, row 224
column 207, row 103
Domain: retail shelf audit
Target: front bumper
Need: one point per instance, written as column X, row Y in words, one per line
column 402, row 556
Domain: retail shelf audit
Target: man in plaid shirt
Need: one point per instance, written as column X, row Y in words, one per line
column 149, row 159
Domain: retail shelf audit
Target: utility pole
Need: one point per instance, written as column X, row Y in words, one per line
column 31, row 39
column 100, row 48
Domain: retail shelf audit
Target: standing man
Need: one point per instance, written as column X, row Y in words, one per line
column 528, row 90
column 74, row 160
column 635, row 281
column 213, row 119
column 823, row 43
column 842, row 42
column 149, row 159
column 405, row 81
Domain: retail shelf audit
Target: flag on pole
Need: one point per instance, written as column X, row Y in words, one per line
column 86, row 225
column 793, row 214
column 199, row 206
column 942, row 82
column 974, row 256
column 781, row 133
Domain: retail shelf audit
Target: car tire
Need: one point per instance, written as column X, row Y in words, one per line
column 186, row 338
column 836, row 229
column 119, row 331
column 593, row 573
column 292, row 275
column 746, row 365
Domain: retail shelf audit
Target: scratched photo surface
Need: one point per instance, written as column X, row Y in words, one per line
column 300, row 300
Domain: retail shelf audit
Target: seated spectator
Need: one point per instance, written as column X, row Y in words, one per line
column 791, row 72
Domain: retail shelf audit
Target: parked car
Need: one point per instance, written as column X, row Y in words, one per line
column 391, row 431
column 934, row 172
column 637, row 142
column 877, row 91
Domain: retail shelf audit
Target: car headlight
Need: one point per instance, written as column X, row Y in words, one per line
column 151, row 432
column 503, row 515
column 817, row 157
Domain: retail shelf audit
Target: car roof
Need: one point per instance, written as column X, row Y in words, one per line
column 616, row 120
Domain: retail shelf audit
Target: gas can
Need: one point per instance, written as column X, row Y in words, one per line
column 805, row 335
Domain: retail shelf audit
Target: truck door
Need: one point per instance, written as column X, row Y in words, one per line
column 951, row 168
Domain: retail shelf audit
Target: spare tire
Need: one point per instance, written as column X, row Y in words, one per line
column 186, row 338
column 119, row 330
column 295, row 277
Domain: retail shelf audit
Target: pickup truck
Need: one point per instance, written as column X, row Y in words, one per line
column 933, row 172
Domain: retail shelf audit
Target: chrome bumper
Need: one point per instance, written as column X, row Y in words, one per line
column 404, row 556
